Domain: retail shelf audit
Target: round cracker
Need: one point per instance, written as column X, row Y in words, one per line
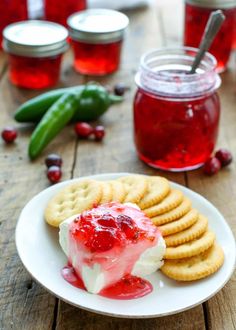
column 179, row 225
column 135, row 186
column 191, row 248
column 118, row 191
column 197, row 267
column 172, row 200
column 158, row 188
column 174, row 214
column 73, row 199
column 106, row 193
column 189, row 234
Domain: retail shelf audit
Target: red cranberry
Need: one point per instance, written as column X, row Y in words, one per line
column 212, row 166
column 102, row 240
column 53, row 159
column 99, row 133
column 225, row 157
column 9, row 134
column 127, row 225
column 83, row 130
column 120, row 89
column 54, row 174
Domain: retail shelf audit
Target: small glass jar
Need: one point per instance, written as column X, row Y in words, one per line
column 58, row 11
column 197, row 13
column 97, row 37
column 176, row 114
column 35, row 51
column 10, row 12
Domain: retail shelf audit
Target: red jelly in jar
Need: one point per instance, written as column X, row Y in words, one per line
column 197, row 13
column 35, row 51
column 10, row 12
column 58, row 11
column 97, row 37
column 176, row 114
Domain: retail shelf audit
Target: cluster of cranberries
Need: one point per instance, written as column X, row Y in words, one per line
column 53, row 163
column 221, row 159
column 84, row 130
column 9, row 134
column 102, row 234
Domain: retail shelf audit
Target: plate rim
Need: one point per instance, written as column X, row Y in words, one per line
column 119, row 174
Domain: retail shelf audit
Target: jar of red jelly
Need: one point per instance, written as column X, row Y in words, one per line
column 97, row 37
column 197, row 13
column 10, row 12
column 176, row 114
column 35, row 51
column 58, row 11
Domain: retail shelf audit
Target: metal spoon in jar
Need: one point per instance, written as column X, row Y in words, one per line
column 213, row 25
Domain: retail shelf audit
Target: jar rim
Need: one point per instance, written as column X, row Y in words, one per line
column 163, row 71
column 35, row 38
column 219, row 4
column 211, row 60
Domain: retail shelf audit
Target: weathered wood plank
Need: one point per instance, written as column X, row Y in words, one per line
column 3, row 63
column 23, row 303
column 77, row 319
column 220, row 190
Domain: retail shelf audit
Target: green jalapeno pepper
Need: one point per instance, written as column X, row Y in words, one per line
column 93, row 101
column 59, row 114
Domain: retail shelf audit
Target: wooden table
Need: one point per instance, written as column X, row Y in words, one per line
column 26, row 305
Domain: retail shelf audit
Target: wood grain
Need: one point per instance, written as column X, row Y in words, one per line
column 23, row 303
column 74, row 319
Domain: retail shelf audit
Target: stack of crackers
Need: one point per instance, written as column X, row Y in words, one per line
column 191, row 252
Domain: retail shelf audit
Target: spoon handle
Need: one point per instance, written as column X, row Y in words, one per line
column 213, row 25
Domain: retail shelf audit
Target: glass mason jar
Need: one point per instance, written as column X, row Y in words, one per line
column 11, row 11
column 197, row 13
column 97, row 37
column 35, row 51
column 176, row 114
column 58, row 11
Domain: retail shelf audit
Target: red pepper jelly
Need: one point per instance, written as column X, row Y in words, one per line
column 176, row 114
column 197, row 13
column 97, row 37
column 58, row 11
column 35, row 51
column 10, row 12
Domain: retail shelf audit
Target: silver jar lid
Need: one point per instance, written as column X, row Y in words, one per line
column 35, row 38
column 97, row 25
column 218, row 4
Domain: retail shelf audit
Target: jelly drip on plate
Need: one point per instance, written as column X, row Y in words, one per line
column 71, row 277
column 129, row 287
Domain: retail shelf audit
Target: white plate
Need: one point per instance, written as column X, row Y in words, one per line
column 39, row 250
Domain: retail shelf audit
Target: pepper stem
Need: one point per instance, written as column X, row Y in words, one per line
column 115, row 99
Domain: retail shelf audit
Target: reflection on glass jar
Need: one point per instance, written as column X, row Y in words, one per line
column 197, row 13
column 10, row 12
column 59, row 10
column 96, row 59
column 176, row 115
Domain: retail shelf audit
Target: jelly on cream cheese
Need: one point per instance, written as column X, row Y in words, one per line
column 136, row 249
